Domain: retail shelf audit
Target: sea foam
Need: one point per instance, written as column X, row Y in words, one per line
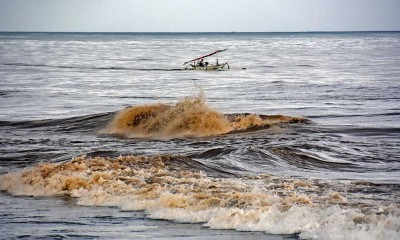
column 165, row 188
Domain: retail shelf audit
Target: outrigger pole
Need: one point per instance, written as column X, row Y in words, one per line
column 218, row 51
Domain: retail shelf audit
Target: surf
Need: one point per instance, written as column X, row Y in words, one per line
column 173, row 188
column 188, row 117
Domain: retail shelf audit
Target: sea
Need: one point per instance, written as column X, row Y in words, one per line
column 107, row 136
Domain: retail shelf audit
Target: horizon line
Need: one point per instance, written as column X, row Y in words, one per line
column 239, row 32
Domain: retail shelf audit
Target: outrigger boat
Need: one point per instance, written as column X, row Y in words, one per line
column 200, row 64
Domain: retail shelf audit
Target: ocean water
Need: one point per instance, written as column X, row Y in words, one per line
column 105, row 136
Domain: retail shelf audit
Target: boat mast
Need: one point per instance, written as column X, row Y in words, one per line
column 218, row 51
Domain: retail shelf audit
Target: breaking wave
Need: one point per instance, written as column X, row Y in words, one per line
column 174, row 188
column 189, row 117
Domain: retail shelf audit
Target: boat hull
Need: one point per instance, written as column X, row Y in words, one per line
column 208, row 68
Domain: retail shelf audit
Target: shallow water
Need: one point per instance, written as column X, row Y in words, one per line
column 58, row 92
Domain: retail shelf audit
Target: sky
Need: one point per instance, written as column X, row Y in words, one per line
column 199, row 15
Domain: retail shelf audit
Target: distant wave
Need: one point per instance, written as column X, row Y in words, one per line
column 190, row 117
column 92, row 67
column 277, row 157
column 306, row 160
column 304, row 65
column 355, row 115
column 124, row 123
column 7, row 92
column 365, row 131
column 73, row 124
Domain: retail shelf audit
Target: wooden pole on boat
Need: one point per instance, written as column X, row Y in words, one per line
column 218, row 51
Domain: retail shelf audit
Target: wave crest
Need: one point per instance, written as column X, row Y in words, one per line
column 190, row 117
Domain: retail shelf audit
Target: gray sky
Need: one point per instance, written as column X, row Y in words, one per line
column 199, row 15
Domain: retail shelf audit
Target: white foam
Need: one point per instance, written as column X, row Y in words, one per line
column 243, row 204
